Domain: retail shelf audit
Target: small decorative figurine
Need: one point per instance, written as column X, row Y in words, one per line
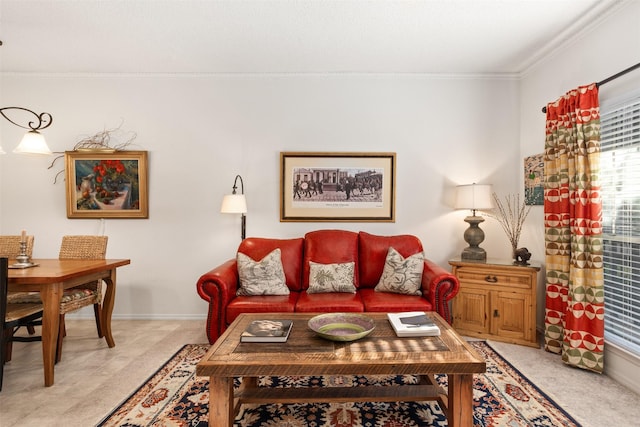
column 522, row 256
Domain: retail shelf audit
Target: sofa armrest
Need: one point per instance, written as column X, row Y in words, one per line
column 440, row 286
column 218, row 287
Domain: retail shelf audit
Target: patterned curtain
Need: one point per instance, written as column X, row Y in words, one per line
column 574, row 312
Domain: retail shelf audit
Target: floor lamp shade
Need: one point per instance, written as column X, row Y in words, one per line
column 234, row 203
column 473, row 197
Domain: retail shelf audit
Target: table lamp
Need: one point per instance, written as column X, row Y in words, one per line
column 473, row 197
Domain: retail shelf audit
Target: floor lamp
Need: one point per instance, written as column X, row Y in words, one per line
column 236, row 203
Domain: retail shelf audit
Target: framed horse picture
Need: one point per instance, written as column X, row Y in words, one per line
column 338, row 187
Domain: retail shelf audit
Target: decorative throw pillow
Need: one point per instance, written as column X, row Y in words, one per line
column 264, row 277
column 331, row 278
column 401, row 275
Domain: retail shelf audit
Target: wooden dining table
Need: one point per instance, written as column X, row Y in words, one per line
column 51, row 277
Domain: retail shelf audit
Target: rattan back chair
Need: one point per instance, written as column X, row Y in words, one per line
column 10, row 246
column 82, row 247
column 84, row 295
column 13, row 316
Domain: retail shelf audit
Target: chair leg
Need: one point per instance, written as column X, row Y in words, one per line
column 62, row 332
column 3, row 342
column 8, row 344
column 31, row 329
column 97, row 310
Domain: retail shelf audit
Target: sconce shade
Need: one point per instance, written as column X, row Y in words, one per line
column 33, row 143
column 473, row 196
column 234, row 203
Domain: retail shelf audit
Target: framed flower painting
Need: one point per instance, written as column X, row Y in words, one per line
column 106, row 184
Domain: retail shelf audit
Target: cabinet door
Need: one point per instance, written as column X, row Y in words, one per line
column 511, row 315
column 470, row 310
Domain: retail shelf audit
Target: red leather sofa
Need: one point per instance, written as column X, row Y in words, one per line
column 219, row 286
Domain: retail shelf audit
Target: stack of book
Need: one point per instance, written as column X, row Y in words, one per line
column 413, row 324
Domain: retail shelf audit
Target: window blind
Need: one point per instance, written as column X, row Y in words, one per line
column 620, row 182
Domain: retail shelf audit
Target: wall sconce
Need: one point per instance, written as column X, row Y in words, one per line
column 33, row 142
column 236, row 203
column 473, row 197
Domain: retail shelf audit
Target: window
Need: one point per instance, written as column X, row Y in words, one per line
column 620, row 180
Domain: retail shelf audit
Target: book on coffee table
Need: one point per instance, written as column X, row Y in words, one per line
column 413, row 324
column 267, row 331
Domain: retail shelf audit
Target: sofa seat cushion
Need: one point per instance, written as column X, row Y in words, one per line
column 393, row 303
column 261, row 304
column 332, row 302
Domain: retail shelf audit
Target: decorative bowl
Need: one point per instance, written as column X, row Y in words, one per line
column 341, row 326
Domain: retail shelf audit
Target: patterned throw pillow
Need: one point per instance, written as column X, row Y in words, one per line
column 401, row 275
column 264, row 277
column 331, row 278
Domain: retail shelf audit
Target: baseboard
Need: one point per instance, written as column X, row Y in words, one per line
column 622, row 366
column 88, row 314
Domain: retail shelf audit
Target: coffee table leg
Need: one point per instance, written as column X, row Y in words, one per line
column 221, row 410
column 460, row 397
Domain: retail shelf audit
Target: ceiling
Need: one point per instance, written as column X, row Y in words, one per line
column 479, row 37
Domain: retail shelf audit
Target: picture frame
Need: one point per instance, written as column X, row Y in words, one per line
column 106, row 184
column 339, row 187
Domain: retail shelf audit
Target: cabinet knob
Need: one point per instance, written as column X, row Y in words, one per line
column 496, row 313
column 491, row 279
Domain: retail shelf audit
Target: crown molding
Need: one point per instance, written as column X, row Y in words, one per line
column 580, row 28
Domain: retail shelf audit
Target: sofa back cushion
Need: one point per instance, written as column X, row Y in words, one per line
column 330, row 247
column 373, row 253
column 290, row 253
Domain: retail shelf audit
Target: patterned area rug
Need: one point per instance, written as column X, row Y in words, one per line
column 174, row 396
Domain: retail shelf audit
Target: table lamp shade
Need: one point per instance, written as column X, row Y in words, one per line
column 473, row 196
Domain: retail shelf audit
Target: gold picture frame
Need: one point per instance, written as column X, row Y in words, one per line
column 106, row 184
column 340, row 187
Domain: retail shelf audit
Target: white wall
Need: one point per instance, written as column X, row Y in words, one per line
column 202, row 130
column 599, row 53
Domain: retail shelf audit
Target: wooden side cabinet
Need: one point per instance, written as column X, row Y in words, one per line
column 497, row 300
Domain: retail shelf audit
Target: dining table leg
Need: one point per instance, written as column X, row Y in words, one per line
column 107, row 307
column 51, row 296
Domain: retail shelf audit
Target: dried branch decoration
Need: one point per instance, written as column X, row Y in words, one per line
column 511, row 216
column 98, row 142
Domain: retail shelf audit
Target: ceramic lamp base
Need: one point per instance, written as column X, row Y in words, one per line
column 474, row 236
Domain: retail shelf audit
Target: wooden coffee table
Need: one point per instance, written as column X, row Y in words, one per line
column 379, row 353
